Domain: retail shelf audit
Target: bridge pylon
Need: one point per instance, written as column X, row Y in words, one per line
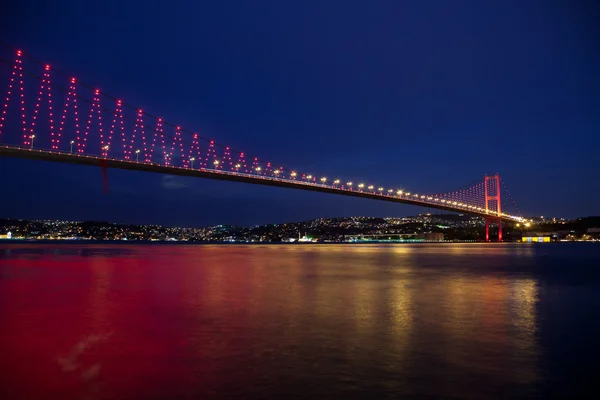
column 492, row 203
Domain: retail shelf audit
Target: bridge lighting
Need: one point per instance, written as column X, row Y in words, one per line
column 216, row 162
column 258, row 169
column 371, row 187
column 349, row 183
column 192, row 159
column 416, row 195
column 276, row 172
column 71, row 149
column 336, row 182
column 390, row 190
column 422, row 197
column 361, row 185
column 32, row 137
column 309, row 177
column 443, row 201
column 137, row 156
column 238, row 166
column 399, row 192
column 380, row 189
column 293, row 174
column 323, row 179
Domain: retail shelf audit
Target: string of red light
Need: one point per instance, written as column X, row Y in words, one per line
column 472, row 195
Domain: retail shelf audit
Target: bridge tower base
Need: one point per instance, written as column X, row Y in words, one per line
column 489, row 221
column 492, row 203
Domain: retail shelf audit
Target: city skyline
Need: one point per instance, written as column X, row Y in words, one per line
column 523, row 124
column 421, row 227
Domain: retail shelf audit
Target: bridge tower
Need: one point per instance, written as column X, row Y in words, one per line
column 492, row 203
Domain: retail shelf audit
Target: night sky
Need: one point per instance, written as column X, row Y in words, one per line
column 424, row 95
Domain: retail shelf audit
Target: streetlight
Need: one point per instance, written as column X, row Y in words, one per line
column 309, row 177
column 71, row 150
column 336, row 182
column 105, row 148
column 361, row 185
column 216, row 162
column 370, row 187
column 237, row 167
column 293, row 174
column 323, row 179
column 258, row 169
column 137, row 156
column 192, row 159
column 32, row 137
column 276, row 172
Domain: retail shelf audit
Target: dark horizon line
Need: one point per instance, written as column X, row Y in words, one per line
column 254, row 226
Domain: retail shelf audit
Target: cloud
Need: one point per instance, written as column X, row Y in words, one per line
column 172, row 183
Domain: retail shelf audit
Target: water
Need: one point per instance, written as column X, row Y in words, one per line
column 466, row 321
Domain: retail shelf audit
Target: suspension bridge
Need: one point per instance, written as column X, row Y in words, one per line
column 48, row 115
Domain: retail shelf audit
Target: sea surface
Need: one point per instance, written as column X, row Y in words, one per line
column 422, row 321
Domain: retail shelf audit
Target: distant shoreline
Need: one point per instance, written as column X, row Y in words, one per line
column 63, row 242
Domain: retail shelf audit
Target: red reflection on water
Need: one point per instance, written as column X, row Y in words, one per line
column 100, row 322
column 73, row 327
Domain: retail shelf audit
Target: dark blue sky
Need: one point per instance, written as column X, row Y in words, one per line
column 424, row 95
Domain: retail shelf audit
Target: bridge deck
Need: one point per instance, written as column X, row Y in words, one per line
column 45, row 155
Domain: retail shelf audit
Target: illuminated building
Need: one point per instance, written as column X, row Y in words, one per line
column 537, row 237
